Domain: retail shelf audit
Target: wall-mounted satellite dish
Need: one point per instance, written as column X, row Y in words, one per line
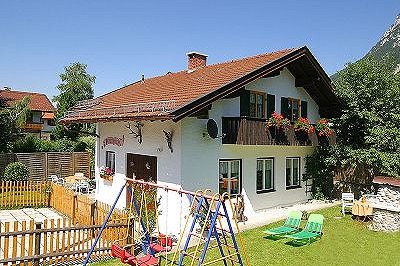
column 212, row 128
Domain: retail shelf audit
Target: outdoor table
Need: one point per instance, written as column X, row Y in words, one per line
column 362, row 209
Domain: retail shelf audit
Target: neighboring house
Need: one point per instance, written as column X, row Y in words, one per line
column 41, row 120
column 156, row 128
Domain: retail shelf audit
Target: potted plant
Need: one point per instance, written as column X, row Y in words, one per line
column 276, row 125
column 302, row 128
column 324, row 131
column 106, row 173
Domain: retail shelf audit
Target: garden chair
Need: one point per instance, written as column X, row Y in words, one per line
column 347, row 202
column 312, row 230
column 53, row 178
column 291, row 224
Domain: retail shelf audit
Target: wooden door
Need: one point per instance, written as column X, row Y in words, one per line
column 142, row 167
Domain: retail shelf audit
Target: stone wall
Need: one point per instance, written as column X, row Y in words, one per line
column 386, row 209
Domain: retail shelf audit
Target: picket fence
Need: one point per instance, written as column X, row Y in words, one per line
column 55, row 241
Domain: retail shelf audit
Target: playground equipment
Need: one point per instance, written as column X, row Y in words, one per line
column 211, row 226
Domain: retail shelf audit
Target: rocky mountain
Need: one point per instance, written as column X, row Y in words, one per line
column 387, row 48
column 389, row 45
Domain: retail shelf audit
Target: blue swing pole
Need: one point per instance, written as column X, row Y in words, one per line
column 103, row 226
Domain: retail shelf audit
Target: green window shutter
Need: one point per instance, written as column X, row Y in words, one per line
column 304, row 109
column 270, row 105
column 245, row 103
column 284, row 107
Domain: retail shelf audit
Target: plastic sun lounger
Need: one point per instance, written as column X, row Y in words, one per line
column 291, row 224
column 312, row 230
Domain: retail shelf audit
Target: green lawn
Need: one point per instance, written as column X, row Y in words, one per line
column 345, row 242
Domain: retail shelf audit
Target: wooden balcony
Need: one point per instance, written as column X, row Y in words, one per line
column 252, row 131
column 33, row 127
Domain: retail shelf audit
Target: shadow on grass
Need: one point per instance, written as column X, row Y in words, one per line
column 273, row 237
column 299, row 243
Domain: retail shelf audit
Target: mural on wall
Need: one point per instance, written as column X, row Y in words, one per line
column 113, row 141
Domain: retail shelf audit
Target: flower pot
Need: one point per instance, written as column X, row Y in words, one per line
column 107, row 177
column 278, row 135
column 302, row 137
column 323, row 140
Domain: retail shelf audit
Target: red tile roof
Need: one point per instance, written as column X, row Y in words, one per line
column 39, row 101
column 385, row 180
column 177, row 89
column 158, row 97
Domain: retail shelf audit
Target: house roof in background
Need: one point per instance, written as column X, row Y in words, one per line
column 176, row 95
column 39, row 101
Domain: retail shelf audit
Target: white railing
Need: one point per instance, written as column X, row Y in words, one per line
column 82, row 110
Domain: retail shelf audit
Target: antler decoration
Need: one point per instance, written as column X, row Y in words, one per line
column 168, row 138
column 138, row 133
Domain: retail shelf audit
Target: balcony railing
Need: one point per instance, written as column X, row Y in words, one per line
column 253, row 131
column 29, row 126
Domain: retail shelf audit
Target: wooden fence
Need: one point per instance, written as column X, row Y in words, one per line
column 24, row 194
column 55, row 242
column 43, row 164
column 81, row 209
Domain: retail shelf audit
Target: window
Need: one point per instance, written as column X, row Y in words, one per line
column 257, row 102
column 294, row 109
column 265, row 175
column 110, row 160
column 51, row 122
column 229, row 176
column 292, row 172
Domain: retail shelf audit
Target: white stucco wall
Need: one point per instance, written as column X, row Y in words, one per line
column 154, row 144
column 46, row 127
column 200, row 166
column 283, row 85
column 194, row 164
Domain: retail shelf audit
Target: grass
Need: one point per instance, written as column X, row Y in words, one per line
column 345, row 242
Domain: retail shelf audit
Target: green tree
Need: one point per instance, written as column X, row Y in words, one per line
column 11, row 120
column 76, row 85
column 368, row 131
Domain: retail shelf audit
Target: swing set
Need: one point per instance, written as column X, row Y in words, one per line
column 209, row 217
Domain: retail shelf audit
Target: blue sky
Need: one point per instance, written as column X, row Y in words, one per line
column 120, row 40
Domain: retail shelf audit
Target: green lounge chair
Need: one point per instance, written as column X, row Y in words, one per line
column 291, row 225
column 312, row 230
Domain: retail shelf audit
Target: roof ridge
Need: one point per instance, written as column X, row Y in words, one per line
column 212, row 65
column 26, row 92
column 251, row 57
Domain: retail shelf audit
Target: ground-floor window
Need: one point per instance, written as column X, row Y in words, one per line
column 229, row 176
column 265, row 175
column 292, row 172
column 110, row 160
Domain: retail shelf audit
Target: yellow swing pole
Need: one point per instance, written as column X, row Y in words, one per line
column 243, row 248
column 182, row 233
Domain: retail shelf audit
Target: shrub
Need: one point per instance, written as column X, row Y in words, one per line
column 27, row 144
column 16, row 171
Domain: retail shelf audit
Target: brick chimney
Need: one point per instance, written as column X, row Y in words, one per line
column 196, row 60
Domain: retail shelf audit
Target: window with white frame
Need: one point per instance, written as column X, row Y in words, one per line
column 110, row 160
column 229, row 176
column 265, row 174
column 292, row 172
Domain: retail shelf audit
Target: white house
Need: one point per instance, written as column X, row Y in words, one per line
column 156, row 128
